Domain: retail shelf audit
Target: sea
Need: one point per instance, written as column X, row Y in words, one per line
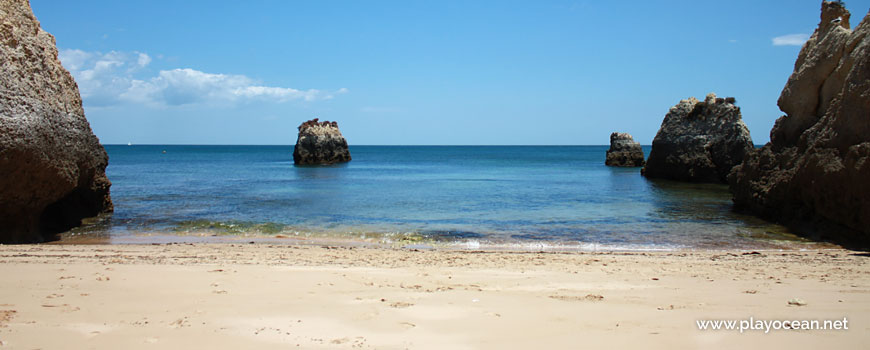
column 452, row 197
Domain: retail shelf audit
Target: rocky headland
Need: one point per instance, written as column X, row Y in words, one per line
column 699, row 141
column 52, row 166
column 624, row 151
column 814, row 174
column 320, row 143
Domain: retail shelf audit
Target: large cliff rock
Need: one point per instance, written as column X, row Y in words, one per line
column 320, row 143
column 52, row 167
column 624, row 151
column 699, row 141
column 814, row 174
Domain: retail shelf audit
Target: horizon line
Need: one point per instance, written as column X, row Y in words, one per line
column 369, row 145
column 365, row 145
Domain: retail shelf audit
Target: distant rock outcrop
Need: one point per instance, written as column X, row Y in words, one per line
column 52, row 167
column 320, row 143
column 624, row 151
column 699, row 141
column 814, row 174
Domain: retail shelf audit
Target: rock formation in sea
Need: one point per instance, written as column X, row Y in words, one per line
column 699, row 141
column 814, row 174
column 52, row 167
column 320, row 143
column 624, row 151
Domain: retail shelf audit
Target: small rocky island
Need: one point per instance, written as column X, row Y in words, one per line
column 320, row 143
column 624, row 151
column 53, row 166
column 699, row 141
column 814, row 174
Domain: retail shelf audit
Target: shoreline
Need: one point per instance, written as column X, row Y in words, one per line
column 416, row 241
column 222, row 296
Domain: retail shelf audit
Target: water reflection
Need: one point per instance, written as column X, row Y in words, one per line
column 710, row 207
column 319, row 172
column 690, row 201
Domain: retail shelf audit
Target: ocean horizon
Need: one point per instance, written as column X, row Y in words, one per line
column 475, row 197
column 646, row 147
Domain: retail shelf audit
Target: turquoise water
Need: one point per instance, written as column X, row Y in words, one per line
column 474, row 196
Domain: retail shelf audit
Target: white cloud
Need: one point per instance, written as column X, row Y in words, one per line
column 143, row 60
column 117, row 78
column 790, row 39
column 74, row 59
column 100, row 77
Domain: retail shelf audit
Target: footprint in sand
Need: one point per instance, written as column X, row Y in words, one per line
column 180, row 323
column 587, row 297
column 63, row 307
column 340, row 341
column 358, row 342
column 401, row 305
column 217, row 291
column 6, row 316
column 669, row 307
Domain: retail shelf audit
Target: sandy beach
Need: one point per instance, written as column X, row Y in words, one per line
column 524, row 175
column 231, row 296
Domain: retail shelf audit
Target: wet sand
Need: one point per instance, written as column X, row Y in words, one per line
column 230, row 296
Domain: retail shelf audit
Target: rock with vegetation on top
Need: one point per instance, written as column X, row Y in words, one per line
column 624, row 151
column 699, row 141
column 814, row 174
column 320, row 143
column 52, row 167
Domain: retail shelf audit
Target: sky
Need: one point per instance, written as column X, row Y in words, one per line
column 421, row 72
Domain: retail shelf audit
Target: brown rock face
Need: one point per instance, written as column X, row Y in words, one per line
column 814, row 174
column 624, row 151
column 699, row 141
column 320, row 143
column 52, row 167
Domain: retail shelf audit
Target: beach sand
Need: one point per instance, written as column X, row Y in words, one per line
column 232, row 296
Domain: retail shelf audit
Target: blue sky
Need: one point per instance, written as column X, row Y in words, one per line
column 421, row 72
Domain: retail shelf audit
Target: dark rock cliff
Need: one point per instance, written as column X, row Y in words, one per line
column 52, row 167
column 320, row 143
column 624, row 151
column 814, row 174
column 699, row 141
